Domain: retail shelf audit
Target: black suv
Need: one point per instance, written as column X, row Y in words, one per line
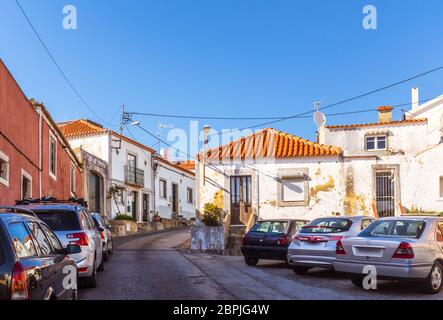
column 33, row 263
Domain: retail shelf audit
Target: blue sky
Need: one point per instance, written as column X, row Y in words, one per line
column 223, row 58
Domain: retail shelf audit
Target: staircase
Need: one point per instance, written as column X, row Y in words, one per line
column 234, row 240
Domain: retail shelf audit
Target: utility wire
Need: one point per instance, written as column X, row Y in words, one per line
column 265, row 124
column 69, row 82
column 160, row 115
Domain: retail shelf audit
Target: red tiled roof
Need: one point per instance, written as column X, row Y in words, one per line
column 270, row 143
column 187, row 165
column 84, row 128
column 378, row 124
column 179, row 167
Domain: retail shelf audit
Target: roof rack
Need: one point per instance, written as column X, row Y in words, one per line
column 49, row 200
column 17, row 211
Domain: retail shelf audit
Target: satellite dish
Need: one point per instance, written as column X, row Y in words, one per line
column 319, row 118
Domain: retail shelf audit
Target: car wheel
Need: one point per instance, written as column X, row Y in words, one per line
column 101, row 267
column 251, row 261
column 357, row 281
column 111, row 248
column 74, row 295
column 300, row 270
column 105, row 255
column 433, row 282
column 91, row 282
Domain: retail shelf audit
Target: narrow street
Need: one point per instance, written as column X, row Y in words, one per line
column 154, row 267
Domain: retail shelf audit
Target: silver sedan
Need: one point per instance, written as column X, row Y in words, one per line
column 398, row 248
column 315, row 244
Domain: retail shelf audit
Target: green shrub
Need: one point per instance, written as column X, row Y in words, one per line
column 124, row 217
column 212, row 215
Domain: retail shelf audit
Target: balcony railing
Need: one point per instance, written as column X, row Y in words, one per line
column 134, row 176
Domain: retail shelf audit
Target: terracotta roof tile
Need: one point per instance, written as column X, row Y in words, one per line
column 270, row 143
column 378, row 124
column 84, row 128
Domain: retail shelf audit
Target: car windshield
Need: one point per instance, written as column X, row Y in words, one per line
column 60, row 220
column 327, row 225
column 395, row 228
column 270, row 226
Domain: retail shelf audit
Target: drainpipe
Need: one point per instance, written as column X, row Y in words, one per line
column 40, row 151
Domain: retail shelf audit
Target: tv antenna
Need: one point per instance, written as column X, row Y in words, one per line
column 319, row 117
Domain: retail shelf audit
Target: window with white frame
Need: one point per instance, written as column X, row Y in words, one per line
column 72, row 175
column 441, row 187
column 52, row 156
column 379, row 142
column 26, row 185
column 163, row 190
column 4, row 169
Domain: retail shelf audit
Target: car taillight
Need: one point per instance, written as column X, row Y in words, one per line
column 295, row 238
column 82, row 270
column 102, row 235
column 339, row 249
column 80, row 239
column 244, row 240
column 283, row 241
column 19, row 284
column 404, row 251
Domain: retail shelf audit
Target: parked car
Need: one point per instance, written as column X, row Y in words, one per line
column 269, row 239
column 315, row 244
column 106, row 235
column 400, row 248
column 73, row 224
column 32, row 259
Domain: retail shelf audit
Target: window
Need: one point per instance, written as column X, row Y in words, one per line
column 163, row 191
column 59, row 220
column 441, row 187
column 190, row 195
column 365, row 223
column 4, row 169
column 328, row 225
column 271, row 227
column 26, row 185
column 52, row 156
column 376, row 143
column 395, row 228
column 439, row 235
column 21, row 240
column 72, row 179
column 39, row 235
column 55, row 243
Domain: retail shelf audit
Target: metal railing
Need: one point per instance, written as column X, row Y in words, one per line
column 134, row 176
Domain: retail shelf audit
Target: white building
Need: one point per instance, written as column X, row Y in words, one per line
column 382, row 168
column 131, row 169
column 175, row 194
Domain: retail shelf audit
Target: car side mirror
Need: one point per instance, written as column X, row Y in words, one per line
column 108, row 227
column 73, row 249
column 101, row 229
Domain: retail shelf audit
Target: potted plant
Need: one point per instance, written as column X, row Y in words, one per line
column 157, row 217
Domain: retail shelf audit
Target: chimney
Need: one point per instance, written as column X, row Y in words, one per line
column 385, row 114
column 415, row 98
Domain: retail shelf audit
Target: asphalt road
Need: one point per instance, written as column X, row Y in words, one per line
column 154, row 267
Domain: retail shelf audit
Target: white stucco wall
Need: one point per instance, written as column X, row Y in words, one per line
column 326, row 186
column 184, row 181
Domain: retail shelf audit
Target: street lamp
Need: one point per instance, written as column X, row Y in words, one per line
column 206, row 130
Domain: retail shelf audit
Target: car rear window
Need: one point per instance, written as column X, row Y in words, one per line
column 270, row 226
column 395, row 228
column 327, row 225
column 60, row 220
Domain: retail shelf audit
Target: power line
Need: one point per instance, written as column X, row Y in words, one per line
column 259, row 118
column 265, row 124
column 77, row 93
